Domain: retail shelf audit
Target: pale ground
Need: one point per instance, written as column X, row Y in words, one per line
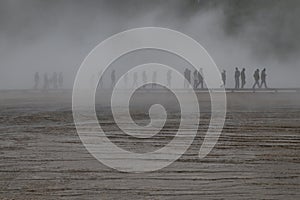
column 256, row 157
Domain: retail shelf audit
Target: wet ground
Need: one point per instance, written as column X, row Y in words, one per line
column 256, row 157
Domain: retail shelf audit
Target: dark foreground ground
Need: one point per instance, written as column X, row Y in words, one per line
column 256, row 157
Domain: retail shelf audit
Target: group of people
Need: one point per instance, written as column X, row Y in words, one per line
column 195, row 79
column 54, row 82
column 135, row 79
column 240, row 78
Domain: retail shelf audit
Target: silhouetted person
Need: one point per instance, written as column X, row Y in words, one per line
column 187, row 76
column 135, row 79
column 169, row 78
column 224, row 77
column 36, row 80
column 243, row 77
column 154, row 78
column 113, row 78
column 256, row 78
column 200, row 78
column 55, row 80
column 144, row 77
column 185, row 79
column 196, row 81
column 60, row 80
column 46, row 82
column 263, row 78
column 237, row 75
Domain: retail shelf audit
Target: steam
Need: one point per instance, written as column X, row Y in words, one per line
column 48, row 36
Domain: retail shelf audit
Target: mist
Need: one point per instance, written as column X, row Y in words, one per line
column 56, row 36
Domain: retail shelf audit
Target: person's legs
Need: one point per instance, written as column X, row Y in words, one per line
column 237, row 83
column 256, row 83
column 266, row 84
column 187, row 83
column 244, row 83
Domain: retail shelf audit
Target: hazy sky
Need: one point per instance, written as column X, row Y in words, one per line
column 48, row 36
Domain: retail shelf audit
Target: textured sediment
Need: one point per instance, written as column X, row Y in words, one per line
column 256, row 157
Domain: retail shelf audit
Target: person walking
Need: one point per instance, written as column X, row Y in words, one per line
column 263, row 78
column 256, row 79
column 196, row 81
column 187, row 76
column 201, row 78
column 237, row 75
column 243, row 77
column 224, row 78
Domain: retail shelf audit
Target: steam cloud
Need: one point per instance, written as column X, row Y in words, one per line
column 48, row 36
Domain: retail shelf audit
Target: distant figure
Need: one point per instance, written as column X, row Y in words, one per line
column 46, row 82
column 243, row 77
column 36, row 80
column 154, row 79
column 200, row 78
column 196, row 81
column 187, row 76
column 60, row 80
column 144, row 79
column 256, row 78
column 237, row 75
column 126, row 80
column 169, row 78
column 55, row 80
column 113, row 78
column 263, row 78
column 224, row 78
column 135, row 79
